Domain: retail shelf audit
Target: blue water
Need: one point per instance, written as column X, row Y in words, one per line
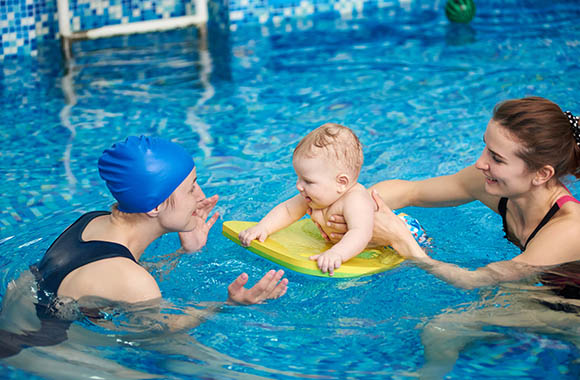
column 417, row 91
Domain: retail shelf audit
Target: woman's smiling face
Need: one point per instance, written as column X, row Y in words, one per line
column 179, row 216
column 506, row 174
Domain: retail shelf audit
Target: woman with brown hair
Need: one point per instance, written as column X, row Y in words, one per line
column 531, row 146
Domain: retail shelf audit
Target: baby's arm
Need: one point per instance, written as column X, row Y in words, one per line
column 279, row 217
column 358, row 211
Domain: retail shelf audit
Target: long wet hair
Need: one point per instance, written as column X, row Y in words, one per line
column 544, row 130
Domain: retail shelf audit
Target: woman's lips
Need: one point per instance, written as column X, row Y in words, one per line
column 490, row 180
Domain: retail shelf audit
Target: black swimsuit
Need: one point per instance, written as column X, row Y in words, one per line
column 502, row 208
column 564, row 279
column 67, row 253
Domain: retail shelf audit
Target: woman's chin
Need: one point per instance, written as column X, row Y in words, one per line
column 492, row 188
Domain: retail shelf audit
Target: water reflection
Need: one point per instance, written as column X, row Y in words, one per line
column 171, row 71
column 419, row 104
column 547, row 302
column 460, row 34
column 147, row 340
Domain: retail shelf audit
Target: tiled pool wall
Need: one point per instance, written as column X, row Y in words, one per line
column 26, row 24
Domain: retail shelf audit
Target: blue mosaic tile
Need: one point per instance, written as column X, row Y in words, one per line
column 24, row 23
column 94, row 14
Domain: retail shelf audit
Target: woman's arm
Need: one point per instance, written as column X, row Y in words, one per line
column 270, row 286
column 391, row 230
column 149, row 315
column 462, row 187
column 491, row 274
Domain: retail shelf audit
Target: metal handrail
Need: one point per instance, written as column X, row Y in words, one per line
column 66, row 33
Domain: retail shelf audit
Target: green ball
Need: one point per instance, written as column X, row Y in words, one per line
column 461, row 11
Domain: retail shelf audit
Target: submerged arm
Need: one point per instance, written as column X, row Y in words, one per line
column 144, row 318
column 555, row 244
column 494, row 273
column 149, row 316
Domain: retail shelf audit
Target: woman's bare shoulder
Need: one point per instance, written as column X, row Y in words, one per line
column 556, row 243
column 117, row 279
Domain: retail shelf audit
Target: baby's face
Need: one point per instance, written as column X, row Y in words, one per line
column 317, row 180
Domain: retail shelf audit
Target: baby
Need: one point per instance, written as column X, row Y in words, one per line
column 327, row 162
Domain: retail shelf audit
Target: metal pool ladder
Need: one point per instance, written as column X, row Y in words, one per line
column 67, row 35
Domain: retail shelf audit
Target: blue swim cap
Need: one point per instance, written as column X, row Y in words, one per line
column 142, row 172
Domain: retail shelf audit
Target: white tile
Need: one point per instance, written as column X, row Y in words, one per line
column 236, row 15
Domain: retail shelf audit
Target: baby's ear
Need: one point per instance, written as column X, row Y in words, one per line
column 342, row 180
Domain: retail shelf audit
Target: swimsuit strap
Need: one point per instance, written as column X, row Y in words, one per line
column 502, row 209
column 545, row 220
column 566, row 198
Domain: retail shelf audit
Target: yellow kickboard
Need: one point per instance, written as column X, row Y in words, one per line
column 292, row 247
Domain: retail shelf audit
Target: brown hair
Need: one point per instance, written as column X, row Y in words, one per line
column 129, row 217
column 545, row 132
column 337, row 142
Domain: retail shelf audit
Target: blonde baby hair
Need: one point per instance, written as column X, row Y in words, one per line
column 336, row 142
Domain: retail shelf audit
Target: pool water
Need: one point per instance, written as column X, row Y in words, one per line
column 418, row 92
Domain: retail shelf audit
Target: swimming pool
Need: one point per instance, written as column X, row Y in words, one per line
column 417, row 91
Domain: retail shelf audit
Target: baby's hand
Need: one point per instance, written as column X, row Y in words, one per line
column 256, row 232
column 328, row 261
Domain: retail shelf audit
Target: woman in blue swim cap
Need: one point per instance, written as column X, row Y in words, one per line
column 155, row 184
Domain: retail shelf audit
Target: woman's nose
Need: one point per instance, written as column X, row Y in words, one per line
column 199, row 192
column 481, row 162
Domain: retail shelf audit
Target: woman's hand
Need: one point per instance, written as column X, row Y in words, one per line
column 391, row 230
column 270, row 286
column 316, row 215
column 388, row 229
column 195, row 239
column 335, row 221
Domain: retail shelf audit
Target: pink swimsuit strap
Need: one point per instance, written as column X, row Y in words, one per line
column 566, row 198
